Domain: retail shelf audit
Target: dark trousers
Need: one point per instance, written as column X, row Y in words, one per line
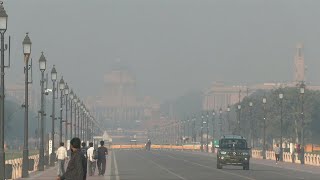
column 101, row 163
column 92, row 167
column 277, row 157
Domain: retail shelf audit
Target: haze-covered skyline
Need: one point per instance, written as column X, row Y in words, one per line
column 172, row 47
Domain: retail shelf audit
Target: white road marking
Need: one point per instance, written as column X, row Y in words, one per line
column 116, row 167
column 163, row 168
column 108, row 176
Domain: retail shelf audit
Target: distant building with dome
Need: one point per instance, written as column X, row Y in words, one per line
column 118, row 104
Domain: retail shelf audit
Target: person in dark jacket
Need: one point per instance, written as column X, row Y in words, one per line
column 101, row 163
column 76, row 166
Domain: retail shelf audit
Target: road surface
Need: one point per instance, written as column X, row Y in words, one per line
column 173, row 165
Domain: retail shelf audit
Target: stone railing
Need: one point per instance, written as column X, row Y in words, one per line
column 309, row 158
column 257, row 154
column 17, row 166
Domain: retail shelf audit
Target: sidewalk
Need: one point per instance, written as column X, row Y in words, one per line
column 51, row 173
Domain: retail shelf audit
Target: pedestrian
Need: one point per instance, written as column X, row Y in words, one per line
column 84, row 152
column 91, row 159
column 277, row 151
column 76, row 166
column 101, row 163
column 61, row 156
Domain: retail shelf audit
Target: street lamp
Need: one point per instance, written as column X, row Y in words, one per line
column 71, row 123
column 251, row 123
column 26, row 51
column 42, row 67
column 61, row 87
column 281, row 102
column 207, row 122
column 228, row 119
column 53, row 115
column 213, row 117
column 302, row 89
column 220, row 122
column 264, row 101
column 3, row 28
column 78, row 123
column 239, row 111
column 201, row 146
column 75, row 101
column 66, row 93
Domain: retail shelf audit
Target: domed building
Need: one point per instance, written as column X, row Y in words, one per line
column 118, row 104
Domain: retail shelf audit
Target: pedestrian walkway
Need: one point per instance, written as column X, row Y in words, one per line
column 51, row 173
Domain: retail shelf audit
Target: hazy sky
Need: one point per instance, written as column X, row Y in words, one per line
column 172, row 46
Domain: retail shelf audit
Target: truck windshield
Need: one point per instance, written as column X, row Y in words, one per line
column 233, row 143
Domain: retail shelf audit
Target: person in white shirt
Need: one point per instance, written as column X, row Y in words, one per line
column 277, row 151
column 61, row 156
column 91, row 160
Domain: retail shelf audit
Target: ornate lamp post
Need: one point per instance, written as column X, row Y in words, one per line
column 281, row 102
column 251, row 123
column 207, row 123
column 264, row 101
column 42, row 67
column 201, row 146
column 220, row 122
column 71, row 123
column 3, row 29
column 53, row 115
column 25, row 161
column 228, row 119
column 61, row 87
column 239, row 119
column 302, row 89
column 66, row 93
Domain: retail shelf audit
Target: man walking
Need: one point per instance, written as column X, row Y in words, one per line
column 101, row 163
column 91, row 159
column 61, row 156
column 277, row 151
column 76, row 166
column 84, row 150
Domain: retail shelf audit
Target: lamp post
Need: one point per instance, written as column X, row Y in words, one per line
column 213, row 117
column 78, row 123
column 71, row 123
column 264, row 101
column 61, row 87
column 220, row 122
column 26, row 51
column 281, row 107
column 251, row 123
column 42, row 67
column 75, row 100
column 3, row 28
column 188, row 132
column 207, row 123
column 239, row 118
column 201, row 146
column 194, row 133
column 66, row 93
column 53, row 115
column 302, row 89
column 228, row 119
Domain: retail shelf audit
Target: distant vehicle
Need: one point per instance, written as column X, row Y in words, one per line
column 233, row 150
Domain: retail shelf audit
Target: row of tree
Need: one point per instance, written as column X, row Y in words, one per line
column 252, row 118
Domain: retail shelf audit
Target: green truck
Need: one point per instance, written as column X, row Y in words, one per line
column 233, row 150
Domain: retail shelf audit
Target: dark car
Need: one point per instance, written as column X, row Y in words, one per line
column 233, row 150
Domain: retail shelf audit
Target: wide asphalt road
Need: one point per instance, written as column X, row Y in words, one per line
column 166, row 165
